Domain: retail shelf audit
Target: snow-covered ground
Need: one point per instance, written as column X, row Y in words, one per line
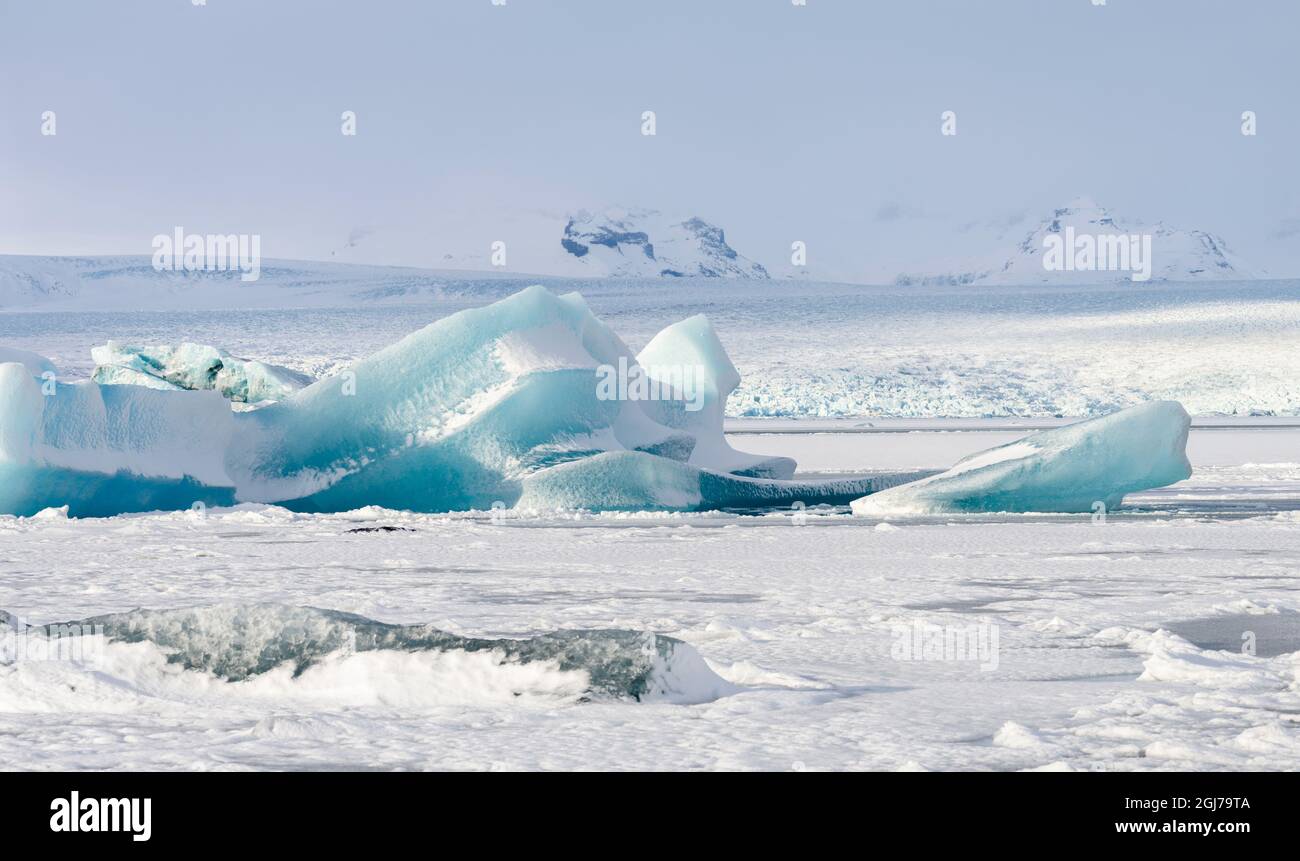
column 1117, row 645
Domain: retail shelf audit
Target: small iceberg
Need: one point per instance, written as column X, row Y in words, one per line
column 194, row 367
column 238, row 642
column 692, row 344
column 1067, row 469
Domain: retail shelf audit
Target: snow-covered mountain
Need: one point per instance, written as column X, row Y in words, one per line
column 646, row 244
column 569, row 243
column 1174, row 254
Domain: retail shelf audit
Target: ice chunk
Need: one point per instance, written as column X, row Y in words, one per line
column 236, row 642
column 454, row 416
column 499, row 404
column 195, row 367
column 689, row 357
column 20, row 397
column 107, row 449
column 477, row 409
column 1066, row 469
column 636, row 481
column 36, row 365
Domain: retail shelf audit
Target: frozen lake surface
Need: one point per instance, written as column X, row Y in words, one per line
column 811, row 619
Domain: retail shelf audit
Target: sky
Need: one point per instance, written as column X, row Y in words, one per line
column 818, row 123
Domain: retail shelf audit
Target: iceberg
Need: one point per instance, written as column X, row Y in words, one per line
column 108, row 449
column 194, row 367
column 492, row 406
column 1067, row 469
column 37, row 365
column 239, row 641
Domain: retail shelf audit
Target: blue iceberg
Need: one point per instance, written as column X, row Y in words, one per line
column 509, row 404
column 1067, row 469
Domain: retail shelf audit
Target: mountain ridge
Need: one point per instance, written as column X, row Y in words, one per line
column 644, row 243
column 1175, row 254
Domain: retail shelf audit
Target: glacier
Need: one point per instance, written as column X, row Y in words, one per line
column 194, row 366
column 1066, row 469
column 490, row 407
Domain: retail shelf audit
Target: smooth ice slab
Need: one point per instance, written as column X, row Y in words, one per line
column 1067, row 469
column 636, row 481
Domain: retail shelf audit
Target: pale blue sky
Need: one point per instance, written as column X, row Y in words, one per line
column 778, row 122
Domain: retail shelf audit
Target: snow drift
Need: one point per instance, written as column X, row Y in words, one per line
column 490, row 406
column 1067, row 469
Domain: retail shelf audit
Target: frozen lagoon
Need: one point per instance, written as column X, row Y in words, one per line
column 805, row 621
